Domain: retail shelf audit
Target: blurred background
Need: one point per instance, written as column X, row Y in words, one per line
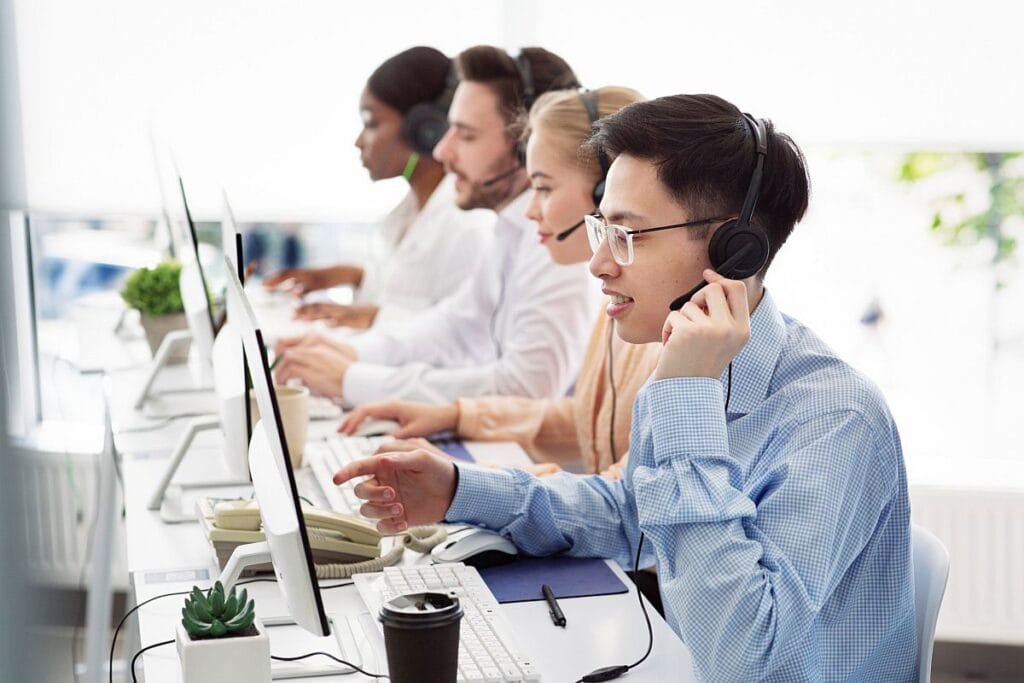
column 908, row 262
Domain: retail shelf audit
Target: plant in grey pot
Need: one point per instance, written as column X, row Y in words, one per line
column 219, row 638
column 156, row 294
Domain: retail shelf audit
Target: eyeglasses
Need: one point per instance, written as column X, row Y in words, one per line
column 620, row 239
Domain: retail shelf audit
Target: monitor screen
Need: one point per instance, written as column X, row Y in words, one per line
column 192, row 238
column 231, row 243
column 274, row 482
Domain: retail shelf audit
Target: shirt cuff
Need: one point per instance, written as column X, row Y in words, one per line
column 486, row 497
column 687, row 417
column 367, row 346
column 363, row 381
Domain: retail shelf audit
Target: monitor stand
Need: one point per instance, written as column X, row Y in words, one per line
column 170, row 506
column 254, row 554
column 170, row 340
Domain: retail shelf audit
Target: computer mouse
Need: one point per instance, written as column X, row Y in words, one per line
column 477, row 548
column 374, row 427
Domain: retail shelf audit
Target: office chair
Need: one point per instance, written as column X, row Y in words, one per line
column 931, row 570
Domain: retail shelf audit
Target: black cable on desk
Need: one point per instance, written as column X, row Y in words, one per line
column 113, row 641
column 611, row 672
column 139, row 654
column 327, row 654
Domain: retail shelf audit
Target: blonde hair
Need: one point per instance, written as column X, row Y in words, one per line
column 563, row 117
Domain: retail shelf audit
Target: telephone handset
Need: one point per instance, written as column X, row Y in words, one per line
column 336, row 536
column 245, row 514
column 342, row 545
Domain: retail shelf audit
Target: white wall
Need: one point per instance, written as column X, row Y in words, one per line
column 259, row 96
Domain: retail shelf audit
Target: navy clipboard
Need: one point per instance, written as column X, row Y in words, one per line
column 569, row 577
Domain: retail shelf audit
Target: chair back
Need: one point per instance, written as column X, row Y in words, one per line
column 931, row 570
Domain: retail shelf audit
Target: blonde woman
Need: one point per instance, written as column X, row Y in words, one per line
column 588, row 431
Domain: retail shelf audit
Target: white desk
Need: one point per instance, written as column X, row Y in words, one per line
column 601, row 630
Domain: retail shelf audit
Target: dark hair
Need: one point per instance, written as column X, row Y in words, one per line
column 416, row 75
column 496, row 68
column 704, row 151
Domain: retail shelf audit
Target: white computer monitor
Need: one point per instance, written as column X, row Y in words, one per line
column 18, row 334
column 273, row 482
column 195, row 288
column 230, row 375
column 198, row 314
column 230, row 384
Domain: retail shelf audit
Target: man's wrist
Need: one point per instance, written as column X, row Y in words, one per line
column 455, row 489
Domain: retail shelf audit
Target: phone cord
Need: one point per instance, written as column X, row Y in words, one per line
column 419, row 538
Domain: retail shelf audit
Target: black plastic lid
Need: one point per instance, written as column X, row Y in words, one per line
column 421, row 610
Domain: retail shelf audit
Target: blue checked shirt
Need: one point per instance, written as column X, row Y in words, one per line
column 780, row 530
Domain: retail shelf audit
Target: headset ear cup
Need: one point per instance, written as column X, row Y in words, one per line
column 598, row 193
column 423, row 127
column 729, row 239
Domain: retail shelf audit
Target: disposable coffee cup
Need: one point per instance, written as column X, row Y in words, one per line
column 293, row 404
column 421, row 637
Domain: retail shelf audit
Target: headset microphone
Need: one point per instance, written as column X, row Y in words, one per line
column 725, row 270
column 568, row 231
column 502, row 176
column 739, row 249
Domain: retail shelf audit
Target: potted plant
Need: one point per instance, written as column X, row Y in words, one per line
column 219, row 638
column 156, row 294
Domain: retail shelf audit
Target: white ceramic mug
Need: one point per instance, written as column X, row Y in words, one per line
column 293, row 404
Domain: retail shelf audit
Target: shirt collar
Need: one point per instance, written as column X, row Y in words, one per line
column 754, row 365
column 441, row 198
column 515, row 212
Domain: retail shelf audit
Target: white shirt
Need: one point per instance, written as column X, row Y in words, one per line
column 420, row 256
column 517, row 327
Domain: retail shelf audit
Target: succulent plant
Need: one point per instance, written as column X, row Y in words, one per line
column 214, row 614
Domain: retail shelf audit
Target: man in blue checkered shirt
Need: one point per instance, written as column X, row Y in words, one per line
column 765, row 479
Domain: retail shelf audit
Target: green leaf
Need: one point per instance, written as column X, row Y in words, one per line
column 242, row 622
column 194, row 628
column 231, row 606
column 1006, row 248
column 218, row 629
column 217, row 600
column 919, row 165
column 154, row 291
column 201, row 611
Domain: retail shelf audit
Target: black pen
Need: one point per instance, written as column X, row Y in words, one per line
column 557, row 618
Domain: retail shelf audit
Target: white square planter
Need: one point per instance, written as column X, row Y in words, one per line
column 224, row 660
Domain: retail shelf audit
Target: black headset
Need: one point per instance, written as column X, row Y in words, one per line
column 425, row 123
column 589, row 98
column 739, row 248
column 525, row 71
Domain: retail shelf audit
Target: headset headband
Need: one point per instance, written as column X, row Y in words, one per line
column 589, row 98
column 760, row 132
column 525, row 70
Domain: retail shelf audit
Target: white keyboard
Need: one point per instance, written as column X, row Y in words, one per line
column 327, row 456
column 488, row 652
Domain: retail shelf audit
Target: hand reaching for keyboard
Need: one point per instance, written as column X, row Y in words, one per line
column 403, row 489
